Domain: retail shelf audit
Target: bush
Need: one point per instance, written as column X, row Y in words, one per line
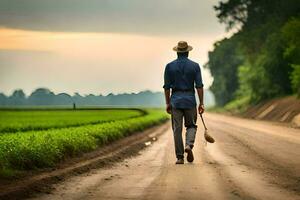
column 295, row 79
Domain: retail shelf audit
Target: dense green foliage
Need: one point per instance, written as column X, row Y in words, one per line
column 291, row 35
column 225, row 77
column 261, row 60
column 36, row 149
column 22, row 120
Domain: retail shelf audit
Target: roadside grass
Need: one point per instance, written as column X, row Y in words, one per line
column 37, row 149
column 236, row 106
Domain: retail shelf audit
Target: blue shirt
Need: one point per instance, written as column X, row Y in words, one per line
column 183, row 74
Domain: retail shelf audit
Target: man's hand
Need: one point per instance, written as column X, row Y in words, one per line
column 201, row 109
column 168, row 108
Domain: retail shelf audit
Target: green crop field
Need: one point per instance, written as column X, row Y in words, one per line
column 37, row 139
column 22, row 120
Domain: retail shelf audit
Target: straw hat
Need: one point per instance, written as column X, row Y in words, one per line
column 182, row 47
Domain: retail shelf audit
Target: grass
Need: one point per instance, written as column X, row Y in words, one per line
column 236, row 106
column 27, row 120
column 44, row 148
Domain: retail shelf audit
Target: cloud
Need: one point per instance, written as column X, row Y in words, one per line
column 129, row 16
column 92, row 63
column 100, row 46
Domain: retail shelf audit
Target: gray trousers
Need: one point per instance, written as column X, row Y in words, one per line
column 190, row 119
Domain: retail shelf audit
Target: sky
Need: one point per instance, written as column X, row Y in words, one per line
column 100, row 46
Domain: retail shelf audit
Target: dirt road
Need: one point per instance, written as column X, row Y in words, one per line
column 250, row 160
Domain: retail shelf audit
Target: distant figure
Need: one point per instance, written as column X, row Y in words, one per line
column 181, row 77
column 74, row 106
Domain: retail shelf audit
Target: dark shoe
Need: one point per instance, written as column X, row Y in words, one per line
column 190, row 156
column 179, row 161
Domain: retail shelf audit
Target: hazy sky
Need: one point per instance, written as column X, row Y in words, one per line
column 100, row 46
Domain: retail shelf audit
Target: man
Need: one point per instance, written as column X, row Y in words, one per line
column 180, row 78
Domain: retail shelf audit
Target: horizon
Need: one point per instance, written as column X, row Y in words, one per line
column 47, row 97
column 81, row 94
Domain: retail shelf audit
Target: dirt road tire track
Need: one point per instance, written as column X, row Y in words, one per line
column 256, row 158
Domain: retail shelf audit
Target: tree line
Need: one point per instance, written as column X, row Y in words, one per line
column 262, row 59
column 44, row 96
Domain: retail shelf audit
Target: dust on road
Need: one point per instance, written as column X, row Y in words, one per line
column 250, row 160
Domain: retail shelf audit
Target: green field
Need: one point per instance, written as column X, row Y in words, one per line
column 37, row 139
column 22, row 120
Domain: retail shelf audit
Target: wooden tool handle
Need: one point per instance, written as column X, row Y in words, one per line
column 203, row 122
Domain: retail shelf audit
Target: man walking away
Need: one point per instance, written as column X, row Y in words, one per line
column 180, row 78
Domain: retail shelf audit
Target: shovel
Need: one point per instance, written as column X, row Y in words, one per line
column 207, row 137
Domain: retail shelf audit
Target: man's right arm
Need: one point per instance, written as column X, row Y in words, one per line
column 167, row 98
column 167, row 87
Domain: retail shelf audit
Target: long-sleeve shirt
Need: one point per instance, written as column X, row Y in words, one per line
column 183, row 75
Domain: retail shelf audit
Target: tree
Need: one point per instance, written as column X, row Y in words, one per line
column 267, row 46
column 291, row 36
column 63, row 99
column 3, row 99
column 17, row 98
column 223, row 63
column 41, row 96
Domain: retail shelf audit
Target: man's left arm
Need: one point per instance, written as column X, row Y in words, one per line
column 199, row 87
